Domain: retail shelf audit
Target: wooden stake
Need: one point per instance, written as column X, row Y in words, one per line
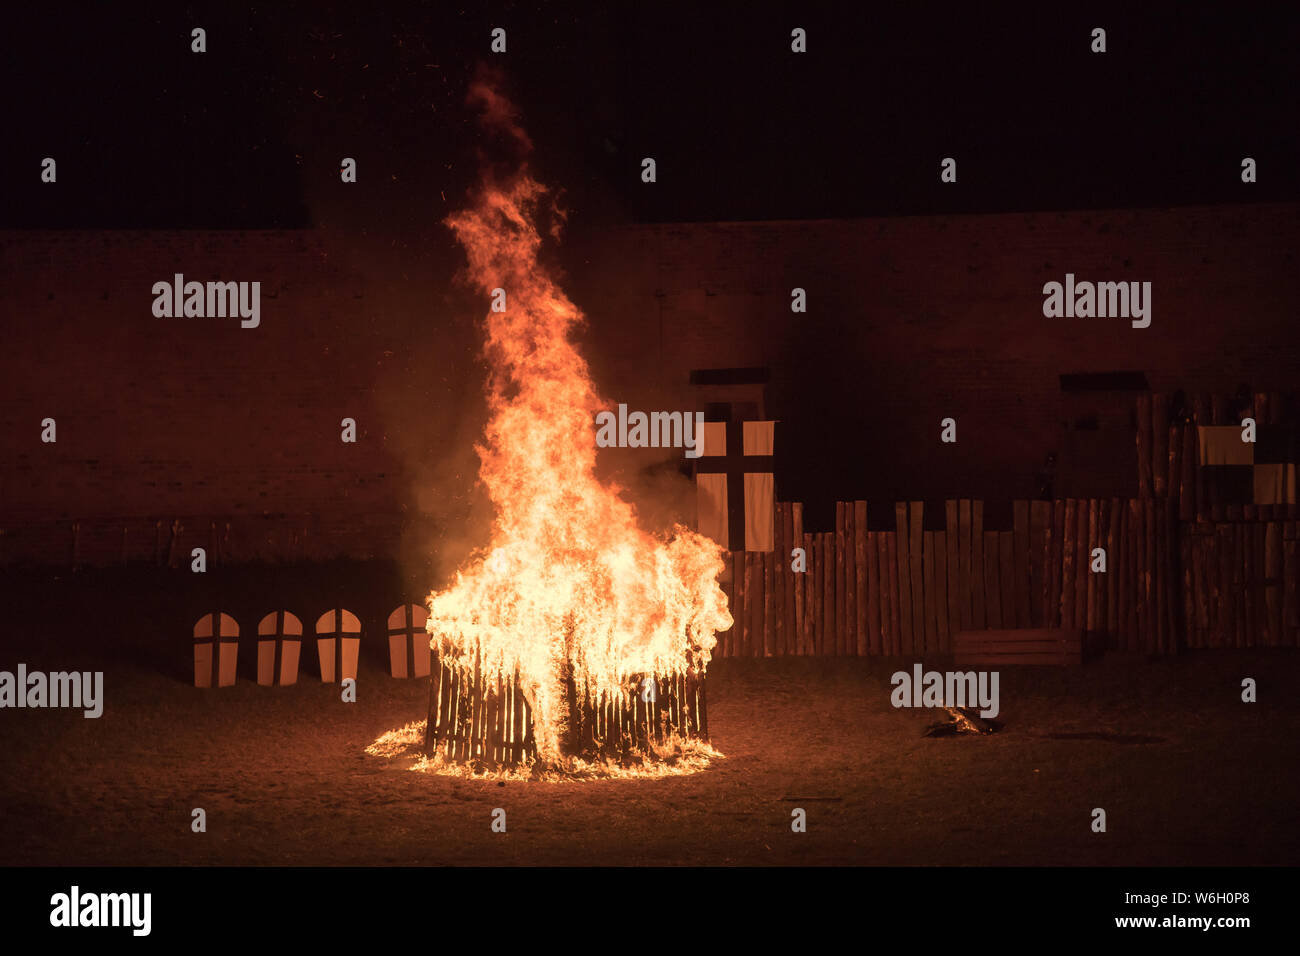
column 1069, row 549
column 992, row 592
column 929, row 591
column 901, row 538
column 1188, row 503
column 769, row 603
column 941, row 605
column 915, row 547
column 966, row 590
column 1114, row 518
column 1007, row 576
column 1020, row 564
column 1081, row 566
column 1091, row 582
column 979, row 619
column 1249, row 575
column 1144, row 445
column 891, row 587
column 860, row 571
column 792, row 580
column 1291, row 585
column 841, row 573
column 819, row 596
column 874, row 546
column 831, row 634
column 1159, row 444
column 1040, row 526
column 952, row 536
column 776, row 582
column 811, row 591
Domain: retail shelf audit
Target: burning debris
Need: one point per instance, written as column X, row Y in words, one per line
column 961, row 720
column 575, row 634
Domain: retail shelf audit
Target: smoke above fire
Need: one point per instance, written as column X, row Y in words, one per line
column 570, row 585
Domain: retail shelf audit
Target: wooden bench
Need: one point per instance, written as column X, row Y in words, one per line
column 1043, row 647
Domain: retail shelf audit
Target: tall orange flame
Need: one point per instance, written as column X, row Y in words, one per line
column 570, row 584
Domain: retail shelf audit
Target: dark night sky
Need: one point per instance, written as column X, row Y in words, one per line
column 148, row 134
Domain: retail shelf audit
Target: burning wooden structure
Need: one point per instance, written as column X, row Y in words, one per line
column 487, row 723
column 575, row 634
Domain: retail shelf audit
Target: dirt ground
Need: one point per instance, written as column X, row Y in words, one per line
column 1187, row 773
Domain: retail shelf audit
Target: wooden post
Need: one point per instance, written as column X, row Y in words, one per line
column 878, row 593
column 828, row 597
column 1007, row 575
column 1091, row 582
column 1144, row 445
column 753, row 609
column 812, row 601
column 1174, row 464
column 1129, row 582
column 1040, row 528
column 1237, row 634
column 1113, row 570
column 741, row 610
column 431, row 712
column 841, row 566
column 794, row 594
column 941, row 606
column 901, row 539
column 1201, row 414
column 892, row 586
column 816, row 612
column 1020, row 563
column 1141, row 575
column 850, row 626
column 1159, row 444
column 978, row 618
column 1291, row 587
column 1081, row 566
column 1219, row 415
column 812, row 593
column 1069, row 549
column 1195, row 585
column 916, row 569
column 1248, row 575
column 1222, row 572
column 1119, row 572
column 791, row 580
column 823, row 614
column 769, row 603
column 966, row 590
column 951, row 538
column 992, row 584
column 1173, row 579
column 860, row 571
column 1186, row 542
column 776, row 580
column 929, row 591
column 798, row 580
column 874, row 546
column 1187, row 499
column 1151, row 630
column 1058, row 563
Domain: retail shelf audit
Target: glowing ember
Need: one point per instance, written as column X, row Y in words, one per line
column 570, row 586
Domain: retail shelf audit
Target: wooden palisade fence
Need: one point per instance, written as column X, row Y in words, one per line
column 490, row 724
column 908, row 591
column 1185, row 566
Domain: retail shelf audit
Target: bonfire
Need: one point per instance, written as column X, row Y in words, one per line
column 575, row 634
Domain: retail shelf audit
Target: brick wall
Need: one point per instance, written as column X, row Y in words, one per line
column 910, row 320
